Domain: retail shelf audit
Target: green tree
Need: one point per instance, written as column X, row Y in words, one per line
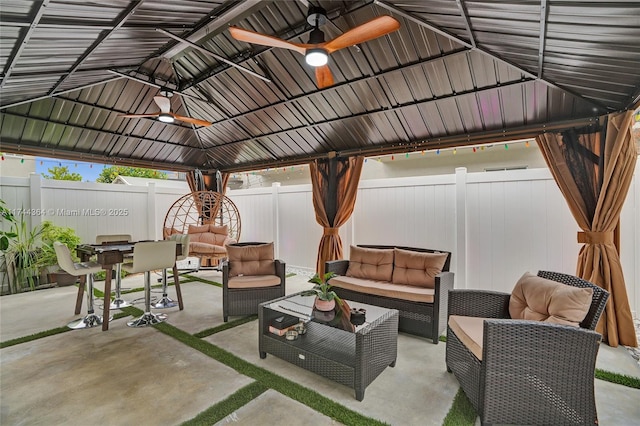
column 109, row 174
column 62, row 173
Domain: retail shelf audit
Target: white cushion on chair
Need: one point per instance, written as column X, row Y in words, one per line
column 65, row 261
column 152, row 255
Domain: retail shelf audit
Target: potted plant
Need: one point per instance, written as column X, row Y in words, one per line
column 47, row 259
column 325, row 297
column 21, row 252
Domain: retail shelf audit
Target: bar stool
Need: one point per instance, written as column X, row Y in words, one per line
column 147, row 257
column 166, row 302
column 117, row 302
column 84, row 270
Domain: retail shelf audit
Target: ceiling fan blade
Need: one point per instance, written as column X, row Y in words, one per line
column 265, row 40
column 324, row 78
column 163, row 103
column 375, row 28
column 138, row 115
column 195, row 121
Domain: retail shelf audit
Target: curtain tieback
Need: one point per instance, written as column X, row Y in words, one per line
column 588, row 237
column 330, row 231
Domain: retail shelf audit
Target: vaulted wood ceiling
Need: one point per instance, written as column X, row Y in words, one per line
column 458, row 72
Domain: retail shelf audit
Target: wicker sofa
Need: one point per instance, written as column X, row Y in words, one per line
column 415, row 281
column 536, row 370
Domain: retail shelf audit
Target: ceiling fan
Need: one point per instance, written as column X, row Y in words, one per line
column 165, row 115
column 317, row 51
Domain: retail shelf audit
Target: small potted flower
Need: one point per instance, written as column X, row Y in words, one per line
column 325, row 297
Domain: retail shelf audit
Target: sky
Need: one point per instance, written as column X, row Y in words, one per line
column 88, row 171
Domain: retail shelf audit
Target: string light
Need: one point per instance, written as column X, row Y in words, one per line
column 22, row 161
column 474, row 149
column 438, row 151
column 406, row 155
column 393, row 158
column 526, row 144
column 422, row 153
column 455, row 151
column 506, row 146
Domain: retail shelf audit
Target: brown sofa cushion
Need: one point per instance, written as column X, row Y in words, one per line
column 539, row 299
column 197, row 247
column 223, row 230
column 197, row 229
column 384, row 288
column 417, row 268
column 251, row 260
column 372, row 264
column 253, row 281
column 209, row 238
column 469, row 330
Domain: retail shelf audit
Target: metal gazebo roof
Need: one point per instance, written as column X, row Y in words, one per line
column 458, row 72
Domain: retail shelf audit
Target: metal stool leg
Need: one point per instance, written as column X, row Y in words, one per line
column 148, row 318
column 165, row 302
column 118, row 302
column 91, row 319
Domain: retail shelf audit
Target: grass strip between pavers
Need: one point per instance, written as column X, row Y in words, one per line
column 45, row 333
column 225, row 326
column 461, row 412
column 286, row 387
column 34, row 336
column 618, row 379
column 228, row 406
column 203, row 280
column 169, row 284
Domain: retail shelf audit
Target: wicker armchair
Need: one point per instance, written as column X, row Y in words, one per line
column 530, row 372
column 250, row 276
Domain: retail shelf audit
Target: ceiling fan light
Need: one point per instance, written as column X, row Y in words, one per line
column 316, row 57
column 166, row 118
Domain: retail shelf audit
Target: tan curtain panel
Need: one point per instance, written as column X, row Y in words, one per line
column 335, row 187
column 594, row 171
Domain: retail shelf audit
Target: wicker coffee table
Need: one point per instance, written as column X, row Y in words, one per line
column 352, row 358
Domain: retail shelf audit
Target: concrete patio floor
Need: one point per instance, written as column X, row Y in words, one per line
column 143, row 376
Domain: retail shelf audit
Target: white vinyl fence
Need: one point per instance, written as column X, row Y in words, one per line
column 497, row 224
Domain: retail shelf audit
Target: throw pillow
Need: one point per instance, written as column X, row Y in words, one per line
column 251, row 260
column 539, row 299
column 371, row 264
column 198, row 229
column 224, row 229
column 417, row 268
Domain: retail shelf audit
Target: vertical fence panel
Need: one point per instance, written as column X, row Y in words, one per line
column 16, row 195
column 300, row 234
column 256, row 213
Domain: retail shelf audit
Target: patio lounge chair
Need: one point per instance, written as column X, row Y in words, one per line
column 520, row 371
column 250, row 276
